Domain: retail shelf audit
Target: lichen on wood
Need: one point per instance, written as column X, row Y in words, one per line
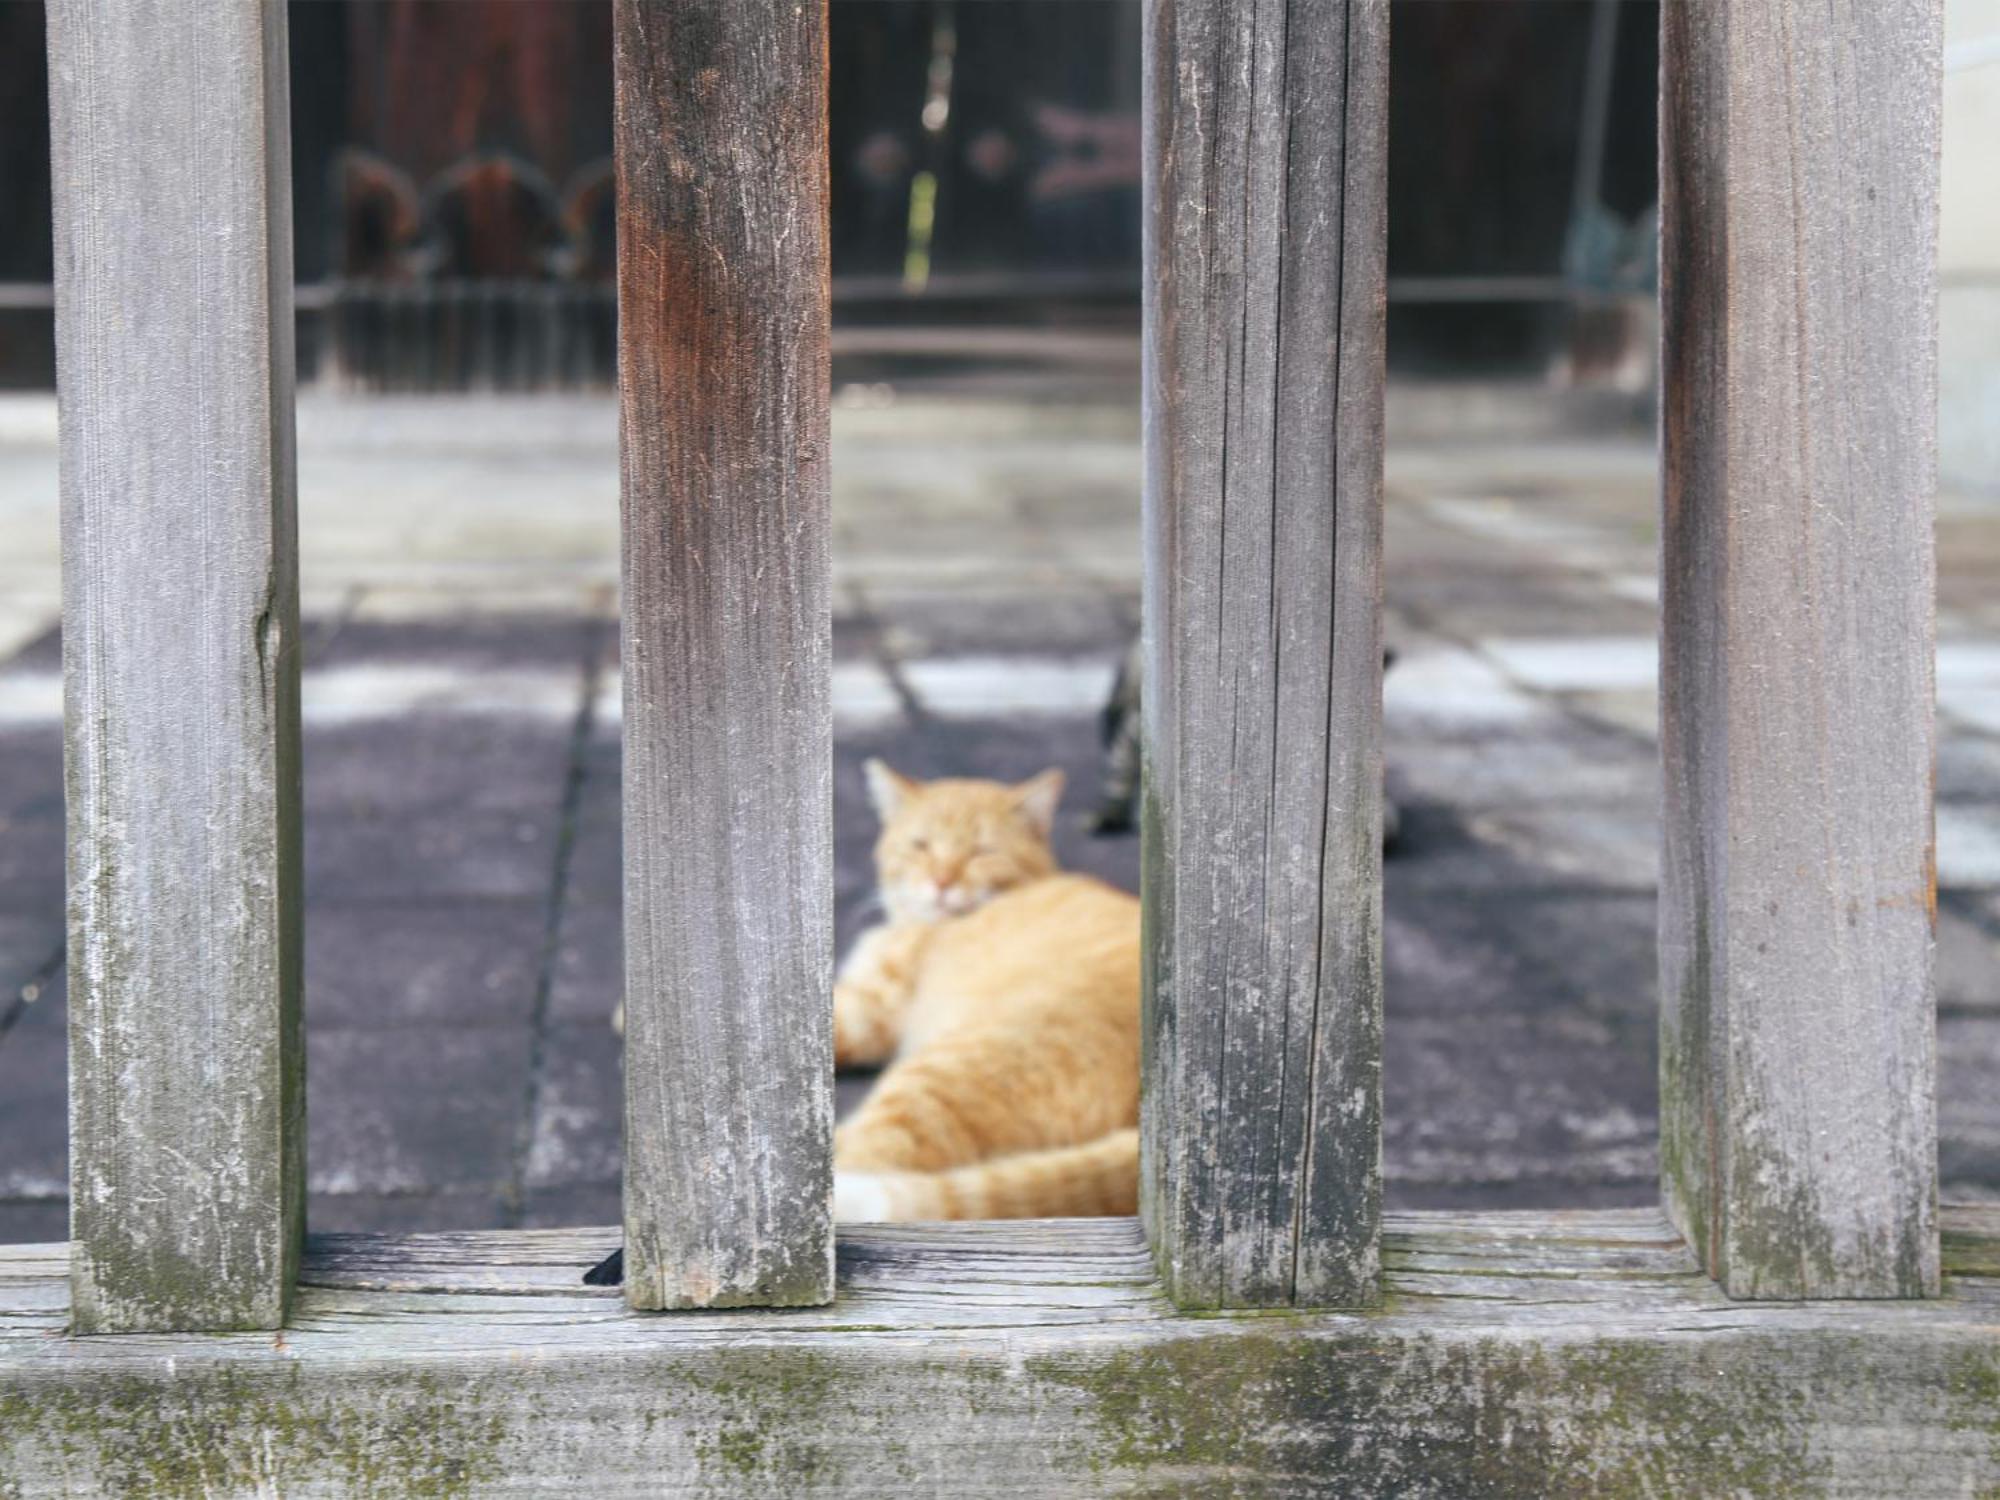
column 1561, row 1355
column 172, row 198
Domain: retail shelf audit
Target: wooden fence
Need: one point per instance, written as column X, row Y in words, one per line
column 1453, row 1355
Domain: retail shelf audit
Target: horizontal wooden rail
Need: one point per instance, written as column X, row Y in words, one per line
column 1265, row 231
column 180, row 657
column 1573, row 1354
column 1799, row 170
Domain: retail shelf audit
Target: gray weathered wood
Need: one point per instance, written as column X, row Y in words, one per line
column 1264, row 224
column 180, row 655
column 723, row 329
column 1799, row 169
column 1563, row 1355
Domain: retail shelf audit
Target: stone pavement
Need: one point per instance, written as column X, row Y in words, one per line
column 462, row 782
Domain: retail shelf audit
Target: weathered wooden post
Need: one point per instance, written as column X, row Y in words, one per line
column 723, row 346
column 1799, row 179
column 1265, row 162
column 174, row 342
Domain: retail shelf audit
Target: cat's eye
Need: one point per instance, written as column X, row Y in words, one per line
column 920, row 845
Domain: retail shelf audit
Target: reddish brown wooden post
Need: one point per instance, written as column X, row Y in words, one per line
column 723, row 338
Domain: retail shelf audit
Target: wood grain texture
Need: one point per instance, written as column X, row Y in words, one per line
column 1265, row 163
column 1799, row 163
column 1561, row 1355
column 723, row 298
column 180, row 657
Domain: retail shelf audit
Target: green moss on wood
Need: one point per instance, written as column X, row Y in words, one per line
column 1686, row 1131
column 1252, row 1413
column 769, row 1415
column 126, row 1279
column 1284, row 1404
column 232, row 1430
column 1974, row 1380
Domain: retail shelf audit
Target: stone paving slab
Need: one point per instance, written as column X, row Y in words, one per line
column 34, row 1111
column 443, row 853
column 27, row 945
column 1539, row 601
column 935, row 623
column 1575, row 764
column 489, row 763
column 1587, row 954
column 404, row 1213
column 33, row 1221
column 576, row 1128
column 517, row 641
column 1968, row 979
column 41, row 999
column 1969, row 1108
column 566, row 1207
column 31, row 823
column 587, row 970
column 413, row 1109
column 41, row 651
column 426, row 963
column 1517, row 1109
column 34, row 1106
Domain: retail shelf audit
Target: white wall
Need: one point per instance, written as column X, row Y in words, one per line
column 1969, row 248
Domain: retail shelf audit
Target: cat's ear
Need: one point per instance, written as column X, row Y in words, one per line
column 1037, row 798
column 888, row 789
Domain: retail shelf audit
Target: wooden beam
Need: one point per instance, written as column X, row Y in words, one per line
column 723, row 329
column 1573, row 1354
column 1799, row 169
column 180, row 655
column 1265, row 164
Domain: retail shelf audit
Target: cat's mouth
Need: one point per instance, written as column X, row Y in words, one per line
column 931, row 904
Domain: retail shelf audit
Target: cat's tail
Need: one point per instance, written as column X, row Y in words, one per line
column 1097, row 1177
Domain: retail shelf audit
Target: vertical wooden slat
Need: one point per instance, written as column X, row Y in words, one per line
column 1266, row 128
column 723, row 345
column 180, row 632
column 1799, row 177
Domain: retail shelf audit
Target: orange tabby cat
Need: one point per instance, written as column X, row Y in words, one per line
column 1007, row 993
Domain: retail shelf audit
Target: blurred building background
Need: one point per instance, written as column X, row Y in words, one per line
column 1969, row 249
column 452, row 187
column 453, row 184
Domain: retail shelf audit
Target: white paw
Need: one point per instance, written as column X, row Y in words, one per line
column 860, row 1198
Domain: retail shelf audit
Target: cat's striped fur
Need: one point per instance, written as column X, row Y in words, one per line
column 1004, row 995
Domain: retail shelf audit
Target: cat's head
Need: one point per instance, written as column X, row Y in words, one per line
column 949, row 846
